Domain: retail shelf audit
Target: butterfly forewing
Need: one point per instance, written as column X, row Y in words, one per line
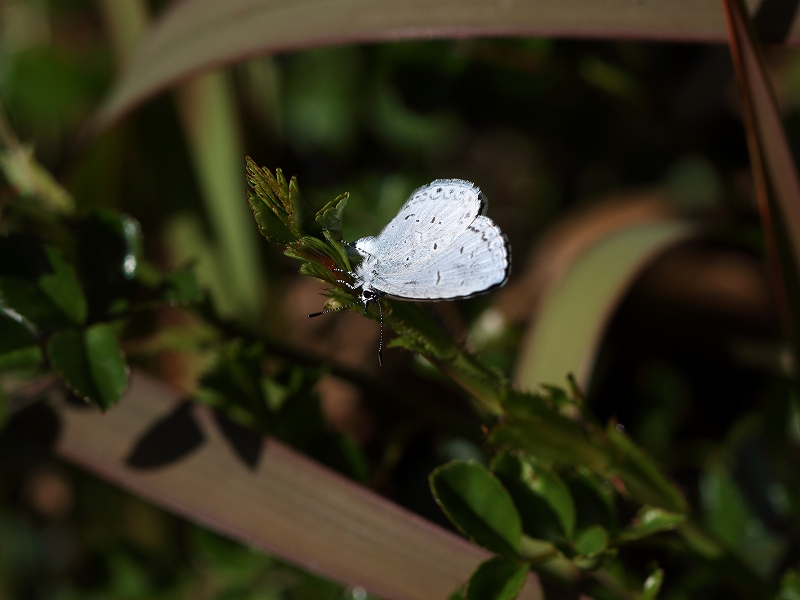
column 430, row 221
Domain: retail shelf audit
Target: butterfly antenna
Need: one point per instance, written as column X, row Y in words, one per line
column 330, row 310
column 380, row 335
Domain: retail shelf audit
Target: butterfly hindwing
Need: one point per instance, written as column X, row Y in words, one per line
column 477, row 260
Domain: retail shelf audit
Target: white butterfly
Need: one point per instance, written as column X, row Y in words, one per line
column 440, row 246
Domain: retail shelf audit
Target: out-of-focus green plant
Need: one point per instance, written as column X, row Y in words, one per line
column 66, row 290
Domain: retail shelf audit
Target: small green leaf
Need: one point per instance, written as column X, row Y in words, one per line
column 272, row 197
column 295, row 207
column 22, row 358
column 595, row 499
column 595, row 561
column 329, row 217
column 592, row 541
column 478, row 504
column 542, row 498
column 62, row 288
column 90, row 363
column 551, row 437
column 68, row 355
column 650, row 520
column 269, row 224
column 37, row 283
column 106, row 362
column 497, row 579
column 311, row 249
column 18, row 346
column 727, row 512
column 340, row 248
column 642, row 475
column 314, row 270
column 652, row 585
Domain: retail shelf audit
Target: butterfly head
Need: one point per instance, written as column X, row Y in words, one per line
column 368, row 296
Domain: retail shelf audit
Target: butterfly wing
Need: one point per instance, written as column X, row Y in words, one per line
column 476, row 261
column 430, row 221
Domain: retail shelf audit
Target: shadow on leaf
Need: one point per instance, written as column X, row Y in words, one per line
column 38, row 421
column 168, row 440
column 247, row 444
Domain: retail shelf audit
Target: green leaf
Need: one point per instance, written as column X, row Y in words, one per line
column 592, row 541
column 62, row 287
column 340, row 248
column 18, row 345
column 549, row 436
column 330, row 216
column 269, row 224
column 650, row 520
column 36, row 282
column 22, row 358
column 642, row 475
column 497, row 579
column 314, row 270
column 272, row 197
column 478, row 504
column 595, row 499
column 652, row 585
column 91, row 363
column 311, row 249
column 726, row 510
column 542, row 498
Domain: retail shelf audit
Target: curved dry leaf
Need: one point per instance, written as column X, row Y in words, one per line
column 283, row 503
column 575, row 309
column 775, row 179
column 195, row 35
column 565, row 241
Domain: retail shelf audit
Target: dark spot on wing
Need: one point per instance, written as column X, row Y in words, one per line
column 407, row 257
column 462, row 250
column 438, row 190
column 438, row 277
column 433, row 219
column 409, row 283
column 435, row 246
column 409, row 216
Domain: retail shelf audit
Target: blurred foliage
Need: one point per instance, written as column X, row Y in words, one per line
column 674, row 475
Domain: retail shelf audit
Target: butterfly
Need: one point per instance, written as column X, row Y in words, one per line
column 440, row 246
